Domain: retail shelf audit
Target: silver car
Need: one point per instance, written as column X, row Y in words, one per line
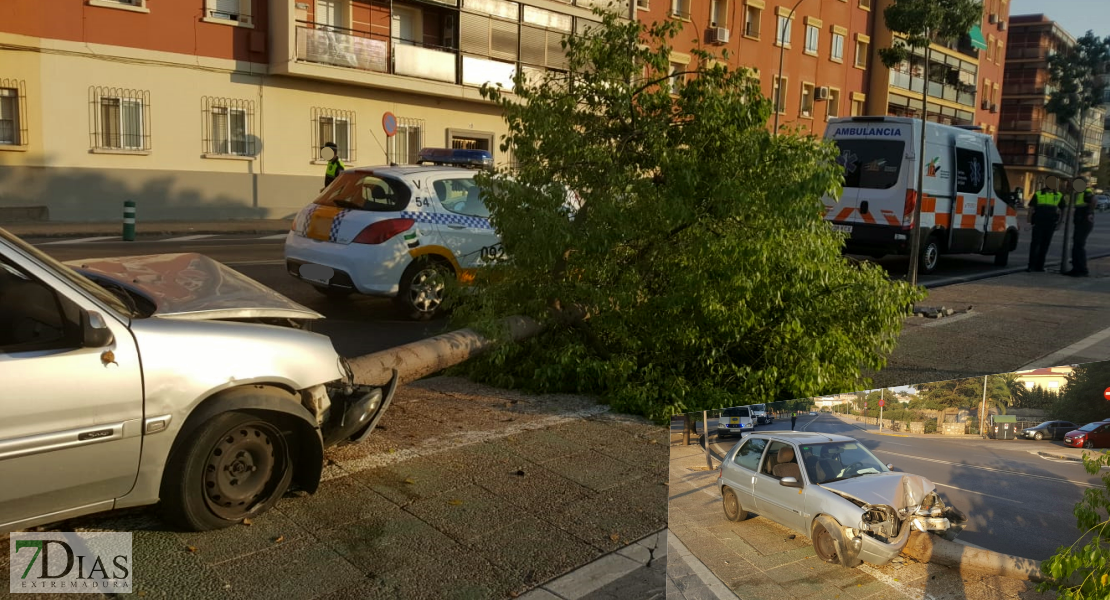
column 167, row 378
column 833, row 490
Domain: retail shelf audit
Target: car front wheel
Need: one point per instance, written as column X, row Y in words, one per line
column 1088, row 444
column 1038, row 436
column 236, row 465
column 824, row 546
column 734, row 511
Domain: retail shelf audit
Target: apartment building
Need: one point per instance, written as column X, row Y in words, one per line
column 824, row 47
column 214, row 109
column 964, row 76
column 1036, row 148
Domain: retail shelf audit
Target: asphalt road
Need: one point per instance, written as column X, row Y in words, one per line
column 1017, row 501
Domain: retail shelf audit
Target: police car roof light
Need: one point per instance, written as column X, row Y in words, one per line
column 455, row 157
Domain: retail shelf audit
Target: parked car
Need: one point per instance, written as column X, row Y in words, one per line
column 812, row 413
column 734, row 421
column 1102, row 202
column 168, row 378
column 1091, row 435
column 831, row 488
column 1049, row 429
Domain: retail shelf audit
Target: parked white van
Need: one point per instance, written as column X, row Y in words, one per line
column 968, row 206
column 734, row 421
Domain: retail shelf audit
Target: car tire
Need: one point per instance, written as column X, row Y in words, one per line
column 823, row 543
column 929, row 258
column 1038, row 436
column 417, row 283
column 734, row 511
column 1088, row 444
column 211, row 482
column 333, row 293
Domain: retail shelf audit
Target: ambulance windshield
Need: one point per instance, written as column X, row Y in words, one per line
column 870, row 164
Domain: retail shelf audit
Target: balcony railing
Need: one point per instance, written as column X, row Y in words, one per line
column 342, row 47
column 424, row 61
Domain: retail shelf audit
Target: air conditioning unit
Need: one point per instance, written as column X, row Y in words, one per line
column 1002, row 25
column 718, row 35
column 993, row 19
column 994, row 108
column 822, row 93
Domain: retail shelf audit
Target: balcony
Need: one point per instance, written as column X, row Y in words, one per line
column 342, row 48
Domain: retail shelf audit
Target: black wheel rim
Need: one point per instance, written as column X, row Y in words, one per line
column 932, row 254
column 243, row 469
column 732, row 505
column 823, row 544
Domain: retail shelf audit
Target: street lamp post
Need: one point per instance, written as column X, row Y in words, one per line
column 782, row 54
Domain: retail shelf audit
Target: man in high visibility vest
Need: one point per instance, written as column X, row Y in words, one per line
column 1045, row 214
column 1084, row 220
column 335, row 166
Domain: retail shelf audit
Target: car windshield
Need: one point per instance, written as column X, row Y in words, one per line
column 759, row 408
column 735, row 412
column 870, row 164
column 359, row 190
column 1090, row 426
column 80, row 281
column 834, row 461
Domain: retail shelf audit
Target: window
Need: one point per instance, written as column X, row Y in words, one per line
column 863, row 45
column 779, row 95
column 837, row 52
column 833, row 108
column 461, row 196
column 336, row 126
column 229, row 126
column 971, row 172
column 119, row 119
column 1000, row 54
column 782, row 34
column 1001, row 182
column 781, row 461
column 752, row 17
column 718, row 13
column 238, row 11
column 13, row 122
column 404, row 148
column 642, row 4
column 360, row 191
column 813, row 35
column 680, row 9
column 749, row 453
column 990, row 48
column 807, row 100
column 32, row 315
column 870, row 164
column 865, row 4
column 132, row 5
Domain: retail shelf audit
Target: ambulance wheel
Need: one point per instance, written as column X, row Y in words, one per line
column 930, row 256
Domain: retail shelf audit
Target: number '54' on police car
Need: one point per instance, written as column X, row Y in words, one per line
column 396, row 231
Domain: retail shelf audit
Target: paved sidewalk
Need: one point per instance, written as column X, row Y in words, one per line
column 635, row 571
column 759, row 559
column 55, row 229
column 1017, row 321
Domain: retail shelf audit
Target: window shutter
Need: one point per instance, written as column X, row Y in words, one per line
column 474, row 30
column 227, row 7
column 503, row 40
column 533, row 45
column 556, row 56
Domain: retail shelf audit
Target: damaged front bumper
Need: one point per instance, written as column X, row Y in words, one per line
column 883, row 532
column 355, row 410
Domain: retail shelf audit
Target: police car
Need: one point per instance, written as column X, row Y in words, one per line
column 397, row 231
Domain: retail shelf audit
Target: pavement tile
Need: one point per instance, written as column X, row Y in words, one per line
column 863, row 587
column 467, row 513
column 802, row 578
column 515, row 549
column 605, row 521
column 485, row 459
column 645, row 583
column 757, row 587
column 214, row 547
column 542, row 445
column 770, row 561
column 289, row 571
column 164, row 568
column 343, row 500
column 537, row 491
column 416, row 479
column 395, row 540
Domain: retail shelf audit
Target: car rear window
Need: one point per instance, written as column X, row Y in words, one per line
column 366, row 191
column 735, row 412
column 870, row 164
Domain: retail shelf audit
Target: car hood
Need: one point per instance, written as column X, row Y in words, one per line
column 193, row 286
column 897, row 490
column 1075, row 433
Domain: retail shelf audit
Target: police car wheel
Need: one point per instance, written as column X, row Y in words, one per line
column 423, row 289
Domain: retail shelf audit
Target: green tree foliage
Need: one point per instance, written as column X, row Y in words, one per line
column 1075, row 74
column 921, row 20
column 1037, row 397
column 1082, row 400
column 698, row 271
column 964, row 393
column 1084, row 573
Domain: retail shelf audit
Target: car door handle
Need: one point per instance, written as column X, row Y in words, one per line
column 457, row 226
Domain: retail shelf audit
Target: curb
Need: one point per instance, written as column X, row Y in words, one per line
column 930, row 548
column 1060, row 456
column 603, row 570
column 1009, row 271
column 712, row 583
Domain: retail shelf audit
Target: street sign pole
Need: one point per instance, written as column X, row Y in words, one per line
column 983, row 408
column 882, row 400
column 705, row 429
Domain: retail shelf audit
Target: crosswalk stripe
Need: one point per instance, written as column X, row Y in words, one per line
column 81, row 241
column 188, row 238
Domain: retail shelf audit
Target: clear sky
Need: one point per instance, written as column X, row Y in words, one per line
column 1075, row 16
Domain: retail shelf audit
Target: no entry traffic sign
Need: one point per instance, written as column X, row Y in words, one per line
column 1106, row 394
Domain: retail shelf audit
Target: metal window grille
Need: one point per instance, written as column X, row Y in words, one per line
column 404, row 148
column 229, row 126
column 330, row 125
column 119, row 118
column 13, row 112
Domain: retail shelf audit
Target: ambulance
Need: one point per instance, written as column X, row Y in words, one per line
column 967, row 208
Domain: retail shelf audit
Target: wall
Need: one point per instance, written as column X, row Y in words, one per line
column 992, row 70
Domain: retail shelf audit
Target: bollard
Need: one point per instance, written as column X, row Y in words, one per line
column 129, row 221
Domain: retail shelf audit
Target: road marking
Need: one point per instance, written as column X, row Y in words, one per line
column 280, row 236
column 1055, row 358
column 974, row 492
column 189, row 238
column 895, row 585
column 82, row 240
column 947, row 462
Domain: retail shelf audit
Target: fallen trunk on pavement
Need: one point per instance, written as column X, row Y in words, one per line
column 422, row 358
column 929, row 548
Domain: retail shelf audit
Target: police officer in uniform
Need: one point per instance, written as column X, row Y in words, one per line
column 1084, row 220
column 1045, row 214
column 793, row 419
column 335, row 166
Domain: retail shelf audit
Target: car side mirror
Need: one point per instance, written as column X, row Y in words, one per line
column 790, row 482
column 94, row 330
column 890, row 466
